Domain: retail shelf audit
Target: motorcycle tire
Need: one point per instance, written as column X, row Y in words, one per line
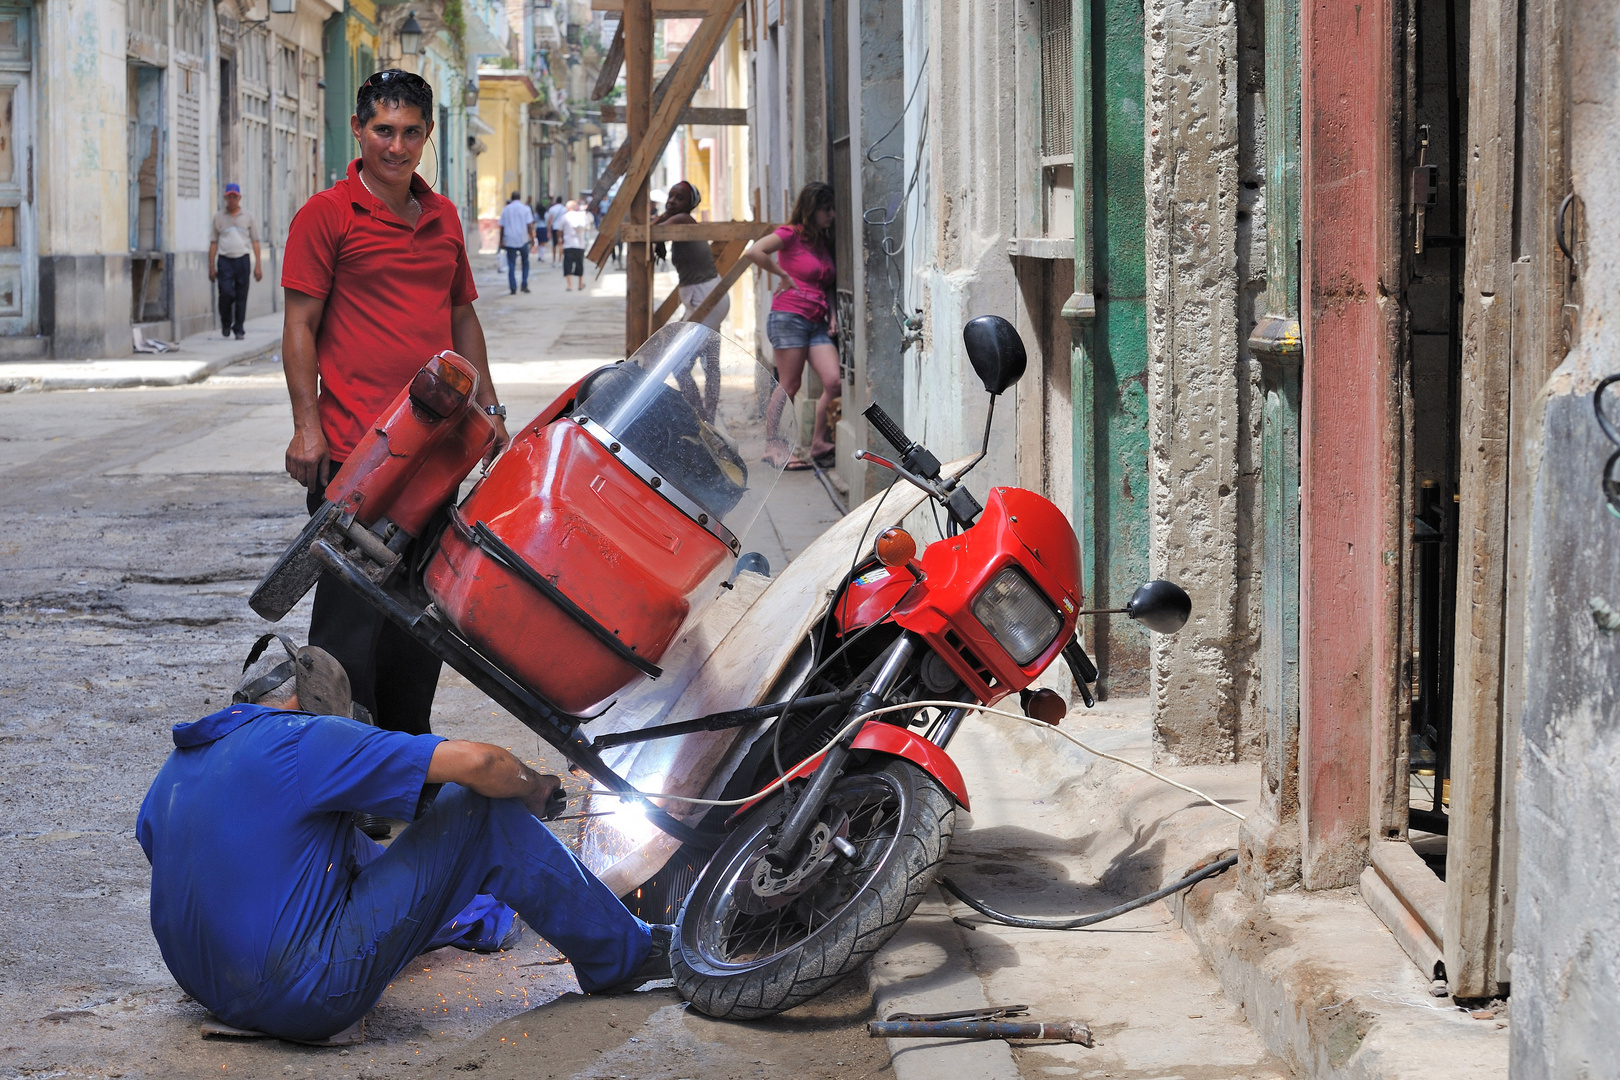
column 730, row 960
column 295, row 573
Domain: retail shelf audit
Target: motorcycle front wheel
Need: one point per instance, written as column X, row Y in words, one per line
column 753, row 941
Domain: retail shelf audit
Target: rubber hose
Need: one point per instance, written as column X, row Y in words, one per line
column 1086, row 920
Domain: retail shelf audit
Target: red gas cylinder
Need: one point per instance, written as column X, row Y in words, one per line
column 595, row 531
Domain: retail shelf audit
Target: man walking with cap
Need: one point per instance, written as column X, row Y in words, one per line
column 234, row 234
column 276, row 914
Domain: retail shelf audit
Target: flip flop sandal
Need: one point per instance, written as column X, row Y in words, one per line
column 825, row 460
column 797, row 465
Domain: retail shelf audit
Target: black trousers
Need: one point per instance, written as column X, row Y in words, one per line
column 233, row 277
column 390, row 672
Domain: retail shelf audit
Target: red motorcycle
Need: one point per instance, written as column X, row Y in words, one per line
column 791, row 831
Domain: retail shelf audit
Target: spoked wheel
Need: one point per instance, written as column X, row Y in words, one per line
column 753, row 940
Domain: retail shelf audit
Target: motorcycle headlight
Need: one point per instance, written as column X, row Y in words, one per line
column 1020, row 619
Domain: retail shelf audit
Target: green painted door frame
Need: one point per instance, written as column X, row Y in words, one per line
column 1276, row 343
column 1108, row 317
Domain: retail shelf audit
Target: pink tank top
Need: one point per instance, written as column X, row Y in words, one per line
column 813, row 274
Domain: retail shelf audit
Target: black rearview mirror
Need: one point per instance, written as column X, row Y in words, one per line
column 1161, row 606
column 996, row 351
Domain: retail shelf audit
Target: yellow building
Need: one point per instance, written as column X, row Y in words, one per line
column 504, row 165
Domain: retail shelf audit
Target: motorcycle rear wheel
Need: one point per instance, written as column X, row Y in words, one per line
column 741, row 954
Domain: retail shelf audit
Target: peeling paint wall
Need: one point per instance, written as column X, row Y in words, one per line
column 1205, row 185
column 1566, row 958
column 956, row 259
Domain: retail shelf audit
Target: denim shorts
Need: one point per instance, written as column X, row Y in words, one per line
column 789, row 331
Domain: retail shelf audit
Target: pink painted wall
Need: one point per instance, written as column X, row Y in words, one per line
column 1349, row 465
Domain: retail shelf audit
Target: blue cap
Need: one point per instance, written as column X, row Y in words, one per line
column 233, row 187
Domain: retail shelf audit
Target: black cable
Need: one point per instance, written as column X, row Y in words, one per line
column 1610, row 483
column 1086, row 920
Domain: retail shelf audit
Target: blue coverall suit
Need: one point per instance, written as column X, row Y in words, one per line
column 278, row 915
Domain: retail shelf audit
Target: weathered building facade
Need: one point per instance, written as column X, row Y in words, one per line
column 1294, row 279
column 125, row 120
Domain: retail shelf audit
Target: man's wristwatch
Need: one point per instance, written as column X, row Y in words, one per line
column 496, row 410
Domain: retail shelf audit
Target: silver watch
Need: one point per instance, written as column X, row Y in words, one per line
column 496, row 410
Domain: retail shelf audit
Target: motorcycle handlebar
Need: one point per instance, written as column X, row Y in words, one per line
column 888, row 428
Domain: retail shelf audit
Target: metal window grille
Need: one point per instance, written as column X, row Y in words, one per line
column 1057, row 78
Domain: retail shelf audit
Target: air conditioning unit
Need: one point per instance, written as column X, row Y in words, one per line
column 282, row 7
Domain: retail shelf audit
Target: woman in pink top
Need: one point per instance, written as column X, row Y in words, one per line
column 803, row 320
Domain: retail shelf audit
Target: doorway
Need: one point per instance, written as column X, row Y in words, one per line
column 149, row 295
column 1435, row 135
column 19, row 259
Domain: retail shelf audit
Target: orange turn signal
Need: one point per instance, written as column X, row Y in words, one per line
column 895, row 547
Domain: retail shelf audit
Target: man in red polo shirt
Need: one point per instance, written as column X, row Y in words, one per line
column 377, row 281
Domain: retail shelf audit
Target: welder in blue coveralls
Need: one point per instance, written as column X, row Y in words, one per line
column 279, row 916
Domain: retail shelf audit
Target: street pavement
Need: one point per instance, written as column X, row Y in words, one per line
column 138, row 522
column 140, row 519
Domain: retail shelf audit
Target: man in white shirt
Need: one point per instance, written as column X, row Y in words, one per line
column 554, row 218
column 577, row 225
column 517, row 234
column 233, row 235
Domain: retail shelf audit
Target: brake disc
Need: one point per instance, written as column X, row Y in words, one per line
column 768, row 882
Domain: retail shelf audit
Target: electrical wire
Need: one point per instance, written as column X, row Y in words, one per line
column 902, row 707
column 815, row 668
column 1087, row 920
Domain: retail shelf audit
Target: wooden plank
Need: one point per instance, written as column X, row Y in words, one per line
column 621, row 156
column 728, row 253
column 644, row 154
column 703, row 230
column 661, row 9
column 632, row 201
column 611, row 65
column 666, row 309
column 727, row 280
column 1485, row 411
column 690, row 115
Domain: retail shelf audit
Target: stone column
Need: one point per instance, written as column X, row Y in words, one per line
column 1194, row 408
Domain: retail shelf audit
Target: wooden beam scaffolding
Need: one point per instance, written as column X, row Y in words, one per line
column 637, row 24
column 691, row 115
column 648, row 139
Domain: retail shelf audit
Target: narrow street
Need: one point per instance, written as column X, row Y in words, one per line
column 139, row 522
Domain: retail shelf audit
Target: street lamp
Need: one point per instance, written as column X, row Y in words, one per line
column 410, row 36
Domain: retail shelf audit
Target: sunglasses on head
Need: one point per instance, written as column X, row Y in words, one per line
column 383, row 78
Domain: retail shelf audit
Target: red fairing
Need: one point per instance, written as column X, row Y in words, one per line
column 410, row 464
column 870, row 596
column 612, row 545
column 1019, row 528
column 1044, row 530
column 889, row 739
column 901, row 742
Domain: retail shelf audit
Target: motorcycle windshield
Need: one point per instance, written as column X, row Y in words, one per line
column 690, row 408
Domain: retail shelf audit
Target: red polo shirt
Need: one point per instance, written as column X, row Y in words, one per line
column 388, row 289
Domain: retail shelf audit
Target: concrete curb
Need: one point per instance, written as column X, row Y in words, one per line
column 925, row 968
column 1329, row 989
column 125, row 372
